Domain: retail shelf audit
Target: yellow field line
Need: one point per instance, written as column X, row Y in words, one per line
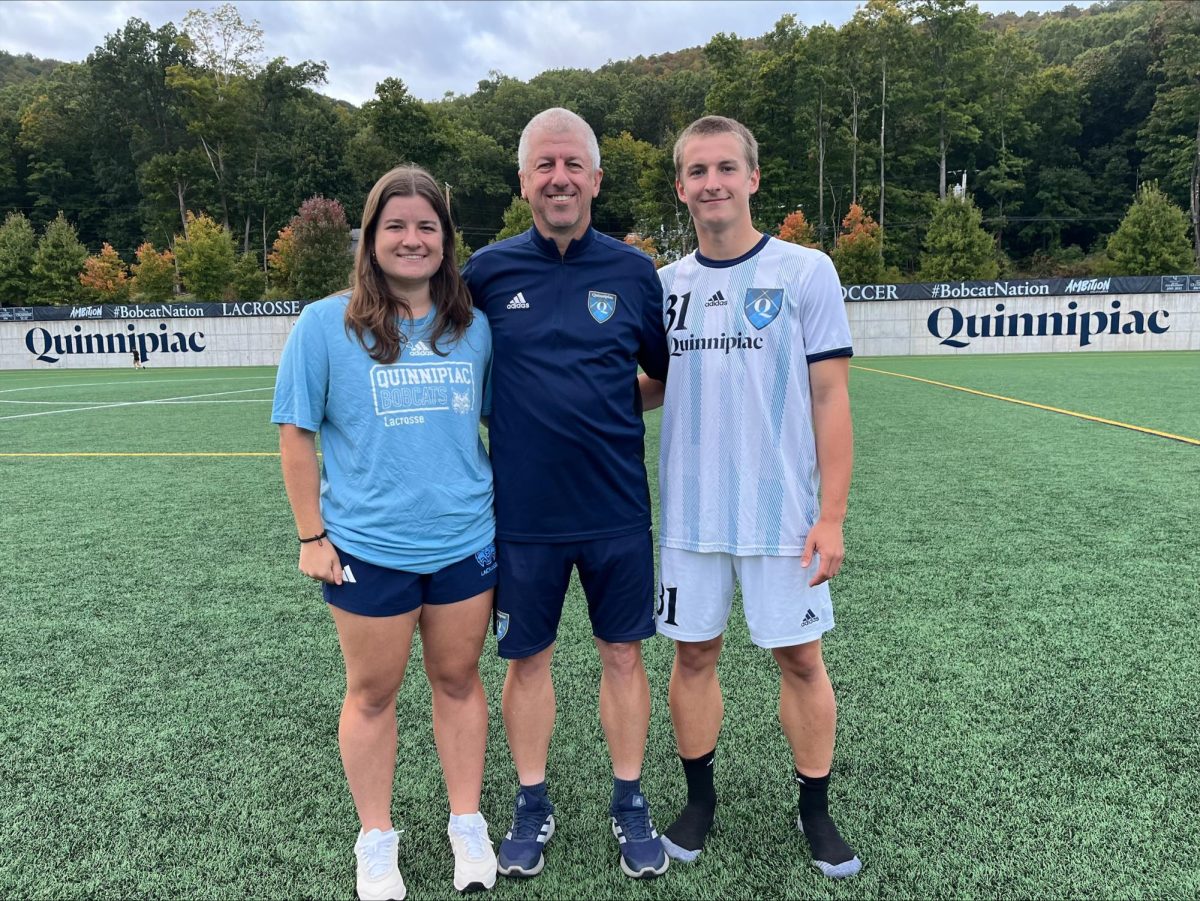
column 154, row 454
column 1027, row 403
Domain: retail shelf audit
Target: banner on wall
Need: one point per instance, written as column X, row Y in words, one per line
column 1027, row 287
column 154, row 310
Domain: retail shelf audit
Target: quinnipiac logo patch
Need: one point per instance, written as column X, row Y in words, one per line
column 602, row 305
column 501, row 625
column 763, row 305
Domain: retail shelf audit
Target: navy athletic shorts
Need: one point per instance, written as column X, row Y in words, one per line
column 371, row 590
column 617, row 575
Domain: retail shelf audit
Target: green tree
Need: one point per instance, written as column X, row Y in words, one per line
column 956, row 48
column 404, row 127
column 956, row 245
column 1008, row 129
column 206, row 258
column 1152, row 239
column 216, row 93
column 1171, row 134
column 462, row 250
column 106, row 276
column 134, row 116
column 624, row 159
column 858, row 255
column 153, row 274
column 249, row 280
column 57, row 157
column 884, row 30
column 57, row 263
column 18, row 244
column 518, row 218
column 321, row 258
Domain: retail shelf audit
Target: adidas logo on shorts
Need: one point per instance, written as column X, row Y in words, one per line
column 518, row 302
column 420, row 349
column 809, row 619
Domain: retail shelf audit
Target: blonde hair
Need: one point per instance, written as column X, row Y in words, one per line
column 717, row 125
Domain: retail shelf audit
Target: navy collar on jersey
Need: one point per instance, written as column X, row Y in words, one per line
column 577, row 247
column 725, row 264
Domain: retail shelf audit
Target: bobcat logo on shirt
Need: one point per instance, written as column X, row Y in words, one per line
column 763, row 305
column 602, row 305
column 486, row 559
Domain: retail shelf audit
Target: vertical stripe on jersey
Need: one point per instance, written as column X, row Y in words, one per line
column 738, row 463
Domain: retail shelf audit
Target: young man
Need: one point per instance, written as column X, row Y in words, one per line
column 756, row 408
column 573, row 313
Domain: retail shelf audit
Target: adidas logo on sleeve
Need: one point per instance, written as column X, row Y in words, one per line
column 518, row 302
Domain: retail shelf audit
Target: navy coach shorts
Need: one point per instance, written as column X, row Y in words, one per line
column 617, row 575
column 371, row 590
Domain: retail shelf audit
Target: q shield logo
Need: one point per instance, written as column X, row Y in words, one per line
column 763, row 305
column 601, row 305
column 501, row 626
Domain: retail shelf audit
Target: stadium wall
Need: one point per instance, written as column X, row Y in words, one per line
column 1025, row 316
column 178, row 334
column 1031, row 316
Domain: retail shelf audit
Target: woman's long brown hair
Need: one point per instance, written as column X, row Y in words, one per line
column 375, row 311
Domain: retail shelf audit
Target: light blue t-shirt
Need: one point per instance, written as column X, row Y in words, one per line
column 406, row 482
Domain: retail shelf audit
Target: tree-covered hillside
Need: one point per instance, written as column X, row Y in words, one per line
column 1052, row 120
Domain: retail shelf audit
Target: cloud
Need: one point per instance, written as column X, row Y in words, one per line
column 436, row 47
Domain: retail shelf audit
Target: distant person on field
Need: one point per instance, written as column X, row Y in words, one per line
column 574, row 313
column 137, row 360
column 398, row 522
column 754, row 475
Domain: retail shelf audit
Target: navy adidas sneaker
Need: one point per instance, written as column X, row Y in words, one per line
column 520, row 853
column 642, row 853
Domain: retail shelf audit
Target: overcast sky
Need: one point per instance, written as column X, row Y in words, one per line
column 438, row 47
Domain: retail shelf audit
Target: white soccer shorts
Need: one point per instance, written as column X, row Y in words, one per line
column 695, row 595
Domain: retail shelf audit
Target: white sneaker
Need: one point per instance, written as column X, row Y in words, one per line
column 474, row 858
column 379, row 877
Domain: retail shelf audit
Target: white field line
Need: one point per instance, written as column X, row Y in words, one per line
column 140, row 381
column 53, row 403
column 132, row 403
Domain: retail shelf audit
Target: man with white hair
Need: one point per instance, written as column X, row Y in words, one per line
column 573, row 314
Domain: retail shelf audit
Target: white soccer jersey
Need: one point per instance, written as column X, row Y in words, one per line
column 738, row 465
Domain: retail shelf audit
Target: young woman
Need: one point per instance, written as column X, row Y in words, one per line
column 398, row 525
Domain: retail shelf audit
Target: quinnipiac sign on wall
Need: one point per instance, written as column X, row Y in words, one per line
column 175, row 334
column 1027, row 287
column 1026, row 315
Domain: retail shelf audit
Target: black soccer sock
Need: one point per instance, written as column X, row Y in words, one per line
column 823, row 837
column 691, row 828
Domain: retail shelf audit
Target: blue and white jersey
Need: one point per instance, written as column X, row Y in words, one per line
column 738, row 465
column 405, row 482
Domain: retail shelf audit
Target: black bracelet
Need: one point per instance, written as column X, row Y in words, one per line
column 314, row 538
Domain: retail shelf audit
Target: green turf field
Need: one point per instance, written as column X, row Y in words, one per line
column 1015, row 658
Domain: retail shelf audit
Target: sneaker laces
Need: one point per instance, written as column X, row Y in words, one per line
column 527, row 823
column 476, row 838
column 378, row 855
column 635, row 823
